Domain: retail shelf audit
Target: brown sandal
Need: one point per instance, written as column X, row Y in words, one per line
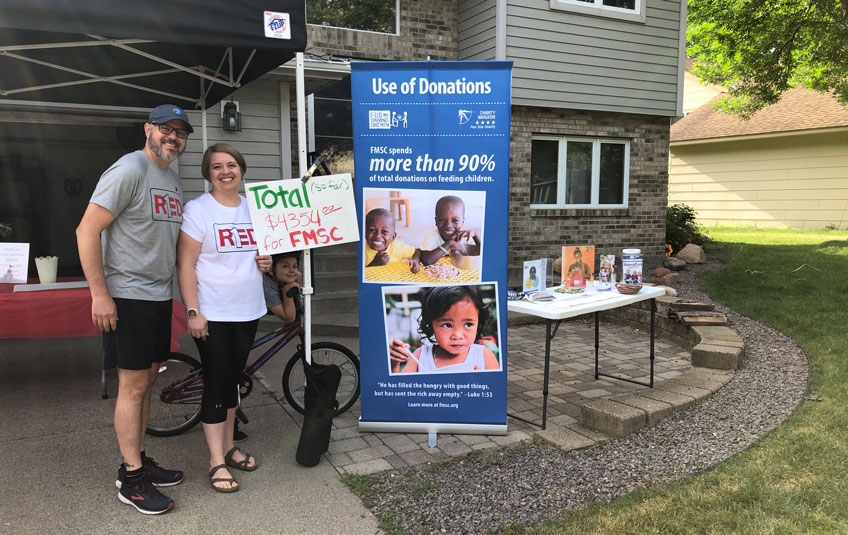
column 213, row 480
column 243, row 464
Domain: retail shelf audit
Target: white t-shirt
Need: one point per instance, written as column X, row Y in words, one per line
column 229, row 283
column 475, row 357
column 432, row 240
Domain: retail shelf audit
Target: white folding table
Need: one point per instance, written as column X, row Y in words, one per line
column 571, row 305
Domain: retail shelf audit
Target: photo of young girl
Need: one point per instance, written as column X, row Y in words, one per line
column 442, row 329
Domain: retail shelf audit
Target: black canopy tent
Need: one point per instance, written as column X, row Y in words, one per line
column 141, row 53
column 137, row 54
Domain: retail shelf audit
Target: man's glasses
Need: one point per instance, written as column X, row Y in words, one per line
column 167, row 129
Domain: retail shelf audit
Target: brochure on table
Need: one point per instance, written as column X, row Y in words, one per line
column 431, row 152
column 535, row 276
column 14, row 262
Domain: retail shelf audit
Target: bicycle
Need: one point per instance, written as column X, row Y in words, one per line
column 175, row 407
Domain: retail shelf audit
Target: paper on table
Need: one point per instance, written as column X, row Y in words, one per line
column 53, row 286
column 581, row 299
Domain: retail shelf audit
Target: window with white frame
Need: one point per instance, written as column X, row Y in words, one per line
column 574, row 172
column 632, row 10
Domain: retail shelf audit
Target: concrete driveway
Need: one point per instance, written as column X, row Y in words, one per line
column 60, row 458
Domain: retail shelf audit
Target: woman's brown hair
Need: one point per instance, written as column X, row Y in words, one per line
column 225, row 148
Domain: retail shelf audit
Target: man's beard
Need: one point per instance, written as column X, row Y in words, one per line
column 157, row 149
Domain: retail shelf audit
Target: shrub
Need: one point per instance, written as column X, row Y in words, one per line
column 680, row 227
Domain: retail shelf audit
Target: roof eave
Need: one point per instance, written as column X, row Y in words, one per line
column 765, row 135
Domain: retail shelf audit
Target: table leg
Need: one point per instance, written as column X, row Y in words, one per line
column 104, row 394
column 549, row 334
column 653, row 313
column 548, row 337
column 597, row 344
column 628, row 379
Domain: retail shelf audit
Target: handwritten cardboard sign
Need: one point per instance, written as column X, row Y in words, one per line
column 289, row 215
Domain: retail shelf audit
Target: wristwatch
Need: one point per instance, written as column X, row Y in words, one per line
column 192, row 313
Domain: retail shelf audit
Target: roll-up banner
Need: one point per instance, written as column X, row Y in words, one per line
column 431, row 153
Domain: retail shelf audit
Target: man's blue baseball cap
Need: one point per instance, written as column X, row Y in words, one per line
column 169, row 112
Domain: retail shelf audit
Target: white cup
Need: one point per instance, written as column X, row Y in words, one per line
column 46, row 266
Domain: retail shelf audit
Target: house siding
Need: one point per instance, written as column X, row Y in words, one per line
column 696, row 94
column 798, row 181
column 542, row 233
column 477, row 30
column 570, row 60
column 258, row 141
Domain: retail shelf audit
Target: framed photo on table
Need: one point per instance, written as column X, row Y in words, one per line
column 578, row 265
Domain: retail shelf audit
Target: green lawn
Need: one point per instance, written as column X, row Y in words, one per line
column 796, row 479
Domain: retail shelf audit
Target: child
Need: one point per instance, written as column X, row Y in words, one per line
column 283, row 277
column 451, row 320
column 532, row 281
column 579, row 272
column 382, row 247
column 448, row 235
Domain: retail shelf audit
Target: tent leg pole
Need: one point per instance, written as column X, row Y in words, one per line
column 205, row 139
column 300, row 87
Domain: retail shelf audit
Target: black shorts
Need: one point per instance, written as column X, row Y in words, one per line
column 143, row 336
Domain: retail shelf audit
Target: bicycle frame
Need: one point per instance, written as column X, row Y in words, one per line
column 288, row 332
column 189, row 388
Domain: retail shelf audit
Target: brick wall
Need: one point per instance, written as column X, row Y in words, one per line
column 542, row 233
column 430, row 29
column 426, row 29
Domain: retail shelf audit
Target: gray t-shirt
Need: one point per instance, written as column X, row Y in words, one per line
column 272, row 288
column 140, row 246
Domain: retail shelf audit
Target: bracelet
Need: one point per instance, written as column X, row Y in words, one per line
column 444, row 250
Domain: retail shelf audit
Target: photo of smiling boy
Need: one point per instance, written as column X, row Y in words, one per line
column 382, row 247
column 449, row 236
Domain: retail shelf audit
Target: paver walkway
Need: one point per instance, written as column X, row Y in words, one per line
column 624, row 351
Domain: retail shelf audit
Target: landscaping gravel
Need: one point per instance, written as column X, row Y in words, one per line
column 536, row 481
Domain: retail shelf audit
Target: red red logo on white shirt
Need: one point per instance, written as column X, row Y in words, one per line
column 234, row 237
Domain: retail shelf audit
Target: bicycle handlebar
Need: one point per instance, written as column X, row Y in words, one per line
column 297, row 297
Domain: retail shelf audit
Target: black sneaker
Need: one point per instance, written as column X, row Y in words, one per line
column 141, row 494
column 238, row 434
column 159, row 477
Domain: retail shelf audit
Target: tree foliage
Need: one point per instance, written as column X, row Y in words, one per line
column 760, row 48
column 371, row 15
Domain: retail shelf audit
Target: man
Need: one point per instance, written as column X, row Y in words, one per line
column 127, row 245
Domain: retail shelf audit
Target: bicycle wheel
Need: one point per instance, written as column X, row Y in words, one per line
column 294, row 379
column 175, row 399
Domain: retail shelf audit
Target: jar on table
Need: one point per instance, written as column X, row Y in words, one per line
column 631, row 266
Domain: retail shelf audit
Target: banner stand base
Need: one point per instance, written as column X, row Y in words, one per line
column 431, row 427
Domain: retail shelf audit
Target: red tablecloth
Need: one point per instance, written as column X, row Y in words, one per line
column 62, row 313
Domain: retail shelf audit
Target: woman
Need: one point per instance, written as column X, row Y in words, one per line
column 220, row 278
